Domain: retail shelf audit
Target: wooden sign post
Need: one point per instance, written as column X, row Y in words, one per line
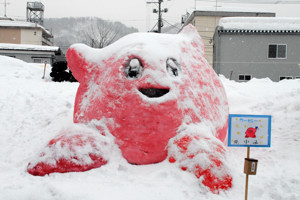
column 249, row 131
column 44, row 69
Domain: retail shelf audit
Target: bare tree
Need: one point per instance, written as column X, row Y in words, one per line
column 70, row 30
column 102, row 33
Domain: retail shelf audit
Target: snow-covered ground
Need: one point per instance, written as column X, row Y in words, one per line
column 34, row 110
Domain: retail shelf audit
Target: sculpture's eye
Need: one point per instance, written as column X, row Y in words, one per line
column 133, row 69
column 173, row 67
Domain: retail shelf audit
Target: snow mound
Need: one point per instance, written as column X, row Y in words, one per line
column 14, row 68
column 34, row 110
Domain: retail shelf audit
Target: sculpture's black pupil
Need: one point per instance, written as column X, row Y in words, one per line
column 132, row 73
column 175, row 72
column 173, row 67
column 153, row 92
column 133, row 69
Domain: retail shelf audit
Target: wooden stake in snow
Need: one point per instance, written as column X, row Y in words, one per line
column 44, row 70
column 247, row 176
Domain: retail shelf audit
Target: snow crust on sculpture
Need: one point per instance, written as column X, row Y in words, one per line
column 157, row 97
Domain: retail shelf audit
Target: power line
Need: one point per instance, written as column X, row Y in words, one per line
column 172, row 25
column 153, row 27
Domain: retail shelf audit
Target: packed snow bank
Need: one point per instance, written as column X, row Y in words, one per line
column 35, row 110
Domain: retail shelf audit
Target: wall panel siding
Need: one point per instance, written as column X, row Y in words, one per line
column 31, row 36
column 10, row 35
column 248, row 54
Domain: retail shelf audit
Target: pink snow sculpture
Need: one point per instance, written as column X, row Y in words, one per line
column 158, row 97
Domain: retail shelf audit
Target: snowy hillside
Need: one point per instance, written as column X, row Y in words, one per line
column 33, row 111
column 72, row 30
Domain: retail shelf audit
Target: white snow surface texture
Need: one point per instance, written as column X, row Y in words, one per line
column 34, row 110
column 263, row 23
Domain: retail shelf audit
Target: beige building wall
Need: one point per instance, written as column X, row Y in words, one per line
column 10, row 35
column 31, row 36
column 206, row 27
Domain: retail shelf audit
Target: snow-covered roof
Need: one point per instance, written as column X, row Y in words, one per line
column 261, row 1
column 23, row 24
column 234, row 9
column 229, row 12
column 260, row 24
column 6, row 46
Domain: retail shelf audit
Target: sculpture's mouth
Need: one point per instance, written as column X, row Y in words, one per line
column 154, row 92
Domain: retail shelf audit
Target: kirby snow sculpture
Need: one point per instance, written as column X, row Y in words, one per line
column 157, row 97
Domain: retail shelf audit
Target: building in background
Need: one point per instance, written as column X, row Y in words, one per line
column 27, row 41
column 19, row 32
column 31, row 53
column 246, row 48
column 206, row 20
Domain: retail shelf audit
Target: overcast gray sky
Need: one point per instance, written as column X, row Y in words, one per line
column 134, row 13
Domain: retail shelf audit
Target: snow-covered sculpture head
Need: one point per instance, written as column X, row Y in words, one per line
column 145, row 87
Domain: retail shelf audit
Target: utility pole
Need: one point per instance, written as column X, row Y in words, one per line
column 159, row 11
column 159, row 16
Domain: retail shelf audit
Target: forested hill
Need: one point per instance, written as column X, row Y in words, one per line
column 92, row 31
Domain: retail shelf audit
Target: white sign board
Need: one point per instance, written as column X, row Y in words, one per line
column 249, row 130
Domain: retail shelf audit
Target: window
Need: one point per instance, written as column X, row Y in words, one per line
column 244, row 77
column 277, row 51
column 37, row 60
column 285, row 77
column 297, row 77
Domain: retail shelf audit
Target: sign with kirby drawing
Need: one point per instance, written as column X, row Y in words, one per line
column 249, row 130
